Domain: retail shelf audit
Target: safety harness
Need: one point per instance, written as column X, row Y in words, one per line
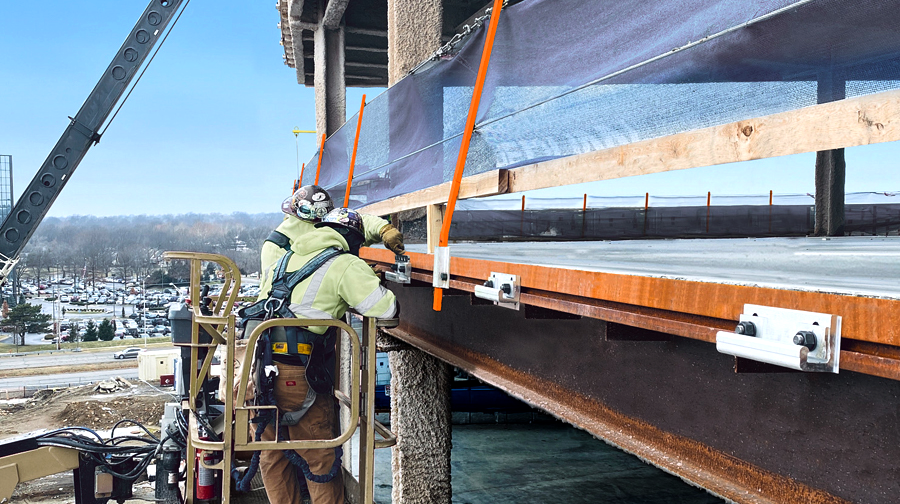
column 280, row 239
column 294, row 341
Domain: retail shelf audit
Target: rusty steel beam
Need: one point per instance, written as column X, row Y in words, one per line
column 697, row 310
column 693, row 461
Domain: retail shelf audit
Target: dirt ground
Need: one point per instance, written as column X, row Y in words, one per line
column 77, row 406
column 81, row 406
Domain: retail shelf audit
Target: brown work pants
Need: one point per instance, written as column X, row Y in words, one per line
column 278, row 473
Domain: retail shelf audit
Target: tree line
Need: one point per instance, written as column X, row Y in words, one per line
column 88, row 247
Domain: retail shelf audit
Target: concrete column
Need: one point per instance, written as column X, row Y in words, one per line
column 830, row 166
column 420, row 384
column 420, row 416
column 331, row 96
column 414, row 32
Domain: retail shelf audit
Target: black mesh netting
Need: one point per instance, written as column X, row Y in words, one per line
column 573, row 76
column 671, row 222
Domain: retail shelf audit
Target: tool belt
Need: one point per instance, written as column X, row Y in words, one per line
column 292, row 341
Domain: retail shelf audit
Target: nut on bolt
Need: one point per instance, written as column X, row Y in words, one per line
column 746, row 328
column 805, row 338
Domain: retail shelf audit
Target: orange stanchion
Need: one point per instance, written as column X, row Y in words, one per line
column 467, row 136
column 301, row 173
column 353, row 157
column 522, row 225
column 321, row 154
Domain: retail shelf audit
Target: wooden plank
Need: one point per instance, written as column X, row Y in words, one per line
column 434, row 221
column 869, row 319
column 863, row 120
column 483, row 184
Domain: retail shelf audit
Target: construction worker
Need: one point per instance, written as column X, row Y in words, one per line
column 302, row 210
column 321, row 277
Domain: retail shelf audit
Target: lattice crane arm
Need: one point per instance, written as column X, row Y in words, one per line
column 83, row 132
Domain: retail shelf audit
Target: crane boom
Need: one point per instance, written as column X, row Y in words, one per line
column 81, row 133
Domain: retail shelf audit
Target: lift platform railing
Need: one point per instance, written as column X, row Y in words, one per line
column 233, row 425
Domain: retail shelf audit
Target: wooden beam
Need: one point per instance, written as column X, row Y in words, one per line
column 717, row 301
column 434, row 219
column 483, row 184
column 863, row 120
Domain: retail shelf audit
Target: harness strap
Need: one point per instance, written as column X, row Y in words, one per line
column 280, row 239
column 283, row 285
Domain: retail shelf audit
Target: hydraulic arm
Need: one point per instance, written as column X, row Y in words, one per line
column 83, row 132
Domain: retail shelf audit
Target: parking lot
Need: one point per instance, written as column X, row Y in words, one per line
column 133, row 314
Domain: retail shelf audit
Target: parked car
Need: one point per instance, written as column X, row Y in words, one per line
column 63, row 299
column 128, row 353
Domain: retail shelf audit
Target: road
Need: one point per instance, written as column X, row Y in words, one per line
column 61, row 358
column 66, row 378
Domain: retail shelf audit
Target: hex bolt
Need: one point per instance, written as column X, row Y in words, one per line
column 507, row 289
column 444, row 277
column 489, row 284
column 805, row 338
column 746, row 328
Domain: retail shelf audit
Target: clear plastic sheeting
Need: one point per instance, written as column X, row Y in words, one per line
column 573, row 76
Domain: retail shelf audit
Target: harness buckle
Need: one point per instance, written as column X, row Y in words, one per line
column 270, row 308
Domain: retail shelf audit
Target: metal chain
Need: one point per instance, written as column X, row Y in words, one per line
column 447, row 50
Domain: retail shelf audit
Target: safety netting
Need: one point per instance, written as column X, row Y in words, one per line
column 573, row 76
column 646, row 217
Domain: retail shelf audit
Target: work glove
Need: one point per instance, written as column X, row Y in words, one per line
column 393, row 239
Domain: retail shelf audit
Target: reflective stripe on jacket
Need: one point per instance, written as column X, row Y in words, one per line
column 343, row 282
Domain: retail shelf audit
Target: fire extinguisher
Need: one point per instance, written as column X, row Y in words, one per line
column 207, row 479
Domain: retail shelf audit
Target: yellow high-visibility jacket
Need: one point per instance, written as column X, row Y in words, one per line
column 294, row 228
column 345, row 281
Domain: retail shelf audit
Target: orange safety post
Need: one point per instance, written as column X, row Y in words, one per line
column 321, row 153
column 646, row 211
column 301, row 173
column 467, row 136
column 522, row 219
column 353, row 157
column 770, row 197
column 708, row 199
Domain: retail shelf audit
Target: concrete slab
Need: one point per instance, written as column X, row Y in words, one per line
column 863, row 266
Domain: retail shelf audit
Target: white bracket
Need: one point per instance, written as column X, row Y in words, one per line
column 441, row 275
column 501, row 288
column 806, row 341
column 400, row 270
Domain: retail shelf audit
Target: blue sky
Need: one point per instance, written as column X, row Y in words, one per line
column 208, row 128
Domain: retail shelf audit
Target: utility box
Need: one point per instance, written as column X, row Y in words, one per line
column 180, row 318
column 153, row 364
